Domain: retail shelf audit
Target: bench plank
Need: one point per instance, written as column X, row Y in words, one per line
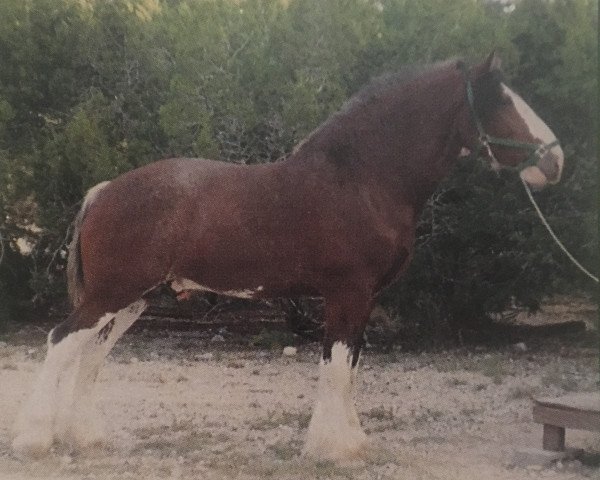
column 585, row 402
column 566, row 418
column 580, row 411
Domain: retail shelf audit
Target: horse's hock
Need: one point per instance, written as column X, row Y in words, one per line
column 580, row 411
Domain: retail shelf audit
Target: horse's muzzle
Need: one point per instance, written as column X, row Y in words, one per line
column 547, row 171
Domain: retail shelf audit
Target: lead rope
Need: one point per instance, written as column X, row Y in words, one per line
column 553, row 235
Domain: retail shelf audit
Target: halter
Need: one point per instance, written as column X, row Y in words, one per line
column 485, row 140
column 537, row 152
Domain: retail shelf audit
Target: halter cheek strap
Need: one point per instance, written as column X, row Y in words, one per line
column 537, row 152
column 485, row 141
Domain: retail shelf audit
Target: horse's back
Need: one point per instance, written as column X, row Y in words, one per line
column 283, row 226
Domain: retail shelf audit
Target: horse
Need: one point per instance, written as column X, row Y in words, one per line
column 335, row 219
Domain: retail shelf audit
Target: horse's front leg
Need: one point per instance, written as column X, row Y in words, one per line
column 334, row 431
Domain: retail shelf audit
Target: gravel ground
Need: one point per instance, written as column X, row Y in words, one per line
column 178, row 406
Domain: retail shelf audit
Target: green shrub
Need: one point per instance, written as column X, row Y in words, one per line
column 89, row 90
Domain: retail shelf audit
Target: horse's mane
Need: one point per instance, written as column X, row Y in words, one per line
column 391, row 80
column 377, row 86
column 487, row 88
column 487, row 91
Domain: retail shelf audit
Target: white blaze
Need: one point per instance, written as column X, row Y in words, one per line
column 334, row 431
column 536, row 126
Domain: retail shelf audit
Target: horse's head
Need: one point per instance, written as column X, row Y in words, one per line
column 497, row 123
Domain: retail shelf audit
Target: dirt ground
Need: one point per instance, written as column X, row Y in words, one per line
column 180, row 406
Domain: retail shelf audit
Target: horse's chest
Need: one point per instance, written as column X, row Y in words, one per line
column 390, row 225
column 392, row 243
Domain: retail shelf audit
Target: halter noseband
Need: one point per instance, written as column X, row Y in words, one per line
column 485, row 140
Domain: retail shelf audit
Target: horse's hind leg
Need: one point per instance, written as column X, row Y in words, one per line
column 35, row 425
column 84, row 426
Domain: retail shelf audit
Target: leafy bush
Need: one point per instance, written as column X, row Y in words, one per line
column 14, row 292
column 91, row 89
column 273, row 339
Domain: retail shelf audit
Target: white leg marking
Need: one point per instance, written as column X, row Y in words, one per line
column 84, row 426
column 34, row 427
column 334, row 431
column 64, row 376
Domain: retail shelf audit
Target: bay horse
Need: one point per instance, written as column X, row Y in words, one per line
column 335, row 219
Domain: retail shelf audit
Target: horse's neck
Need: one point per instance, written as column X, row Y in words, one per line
column 414, row 175
column 403, row 145
column 416, row 149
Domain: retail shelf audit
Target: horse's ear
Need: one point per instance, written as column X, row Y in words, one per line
column 492, row 62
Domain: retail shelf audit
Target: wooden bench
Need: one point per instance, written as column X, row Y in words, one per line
column 579, row 410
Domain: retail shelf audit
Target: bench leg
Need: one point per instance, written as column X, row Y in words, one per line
column 554, row 438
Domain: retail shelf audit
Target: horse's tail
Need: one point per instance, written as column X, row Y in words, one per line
column 75, row 281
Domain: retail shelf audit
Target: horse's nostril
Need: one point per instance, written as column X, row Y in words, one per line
column 534, row 177
column 551, row 165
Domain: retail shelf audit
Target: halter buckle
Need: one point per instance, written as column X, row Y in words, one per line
column 484, row 142
column 485, row 139
column 541, row 150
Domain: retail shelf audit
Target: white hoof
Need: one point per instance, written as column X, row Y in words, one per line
column 33, row 432
column 81, row 440
column 348, row 446
column 85, row 434
column 32, row 444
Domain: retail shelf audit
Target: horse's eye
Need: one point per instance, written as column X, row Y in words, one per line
column 506, row 100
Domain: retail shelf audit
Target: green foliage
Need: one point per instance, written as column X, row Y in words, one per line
column 90, row 89
column 480, row 250
column 272, row 339
column 14, row 293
